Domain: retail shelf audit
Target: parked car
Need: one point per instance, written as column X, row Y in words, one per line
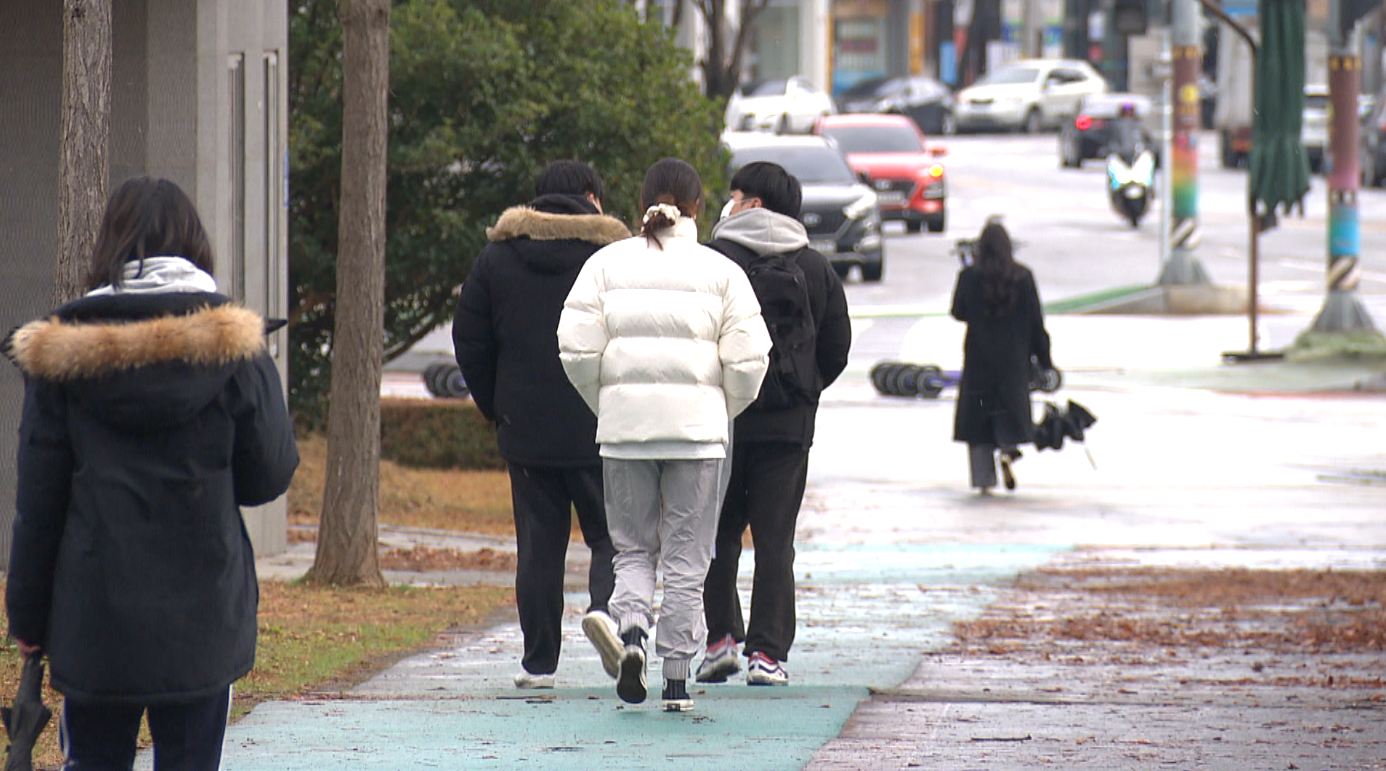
column 926, row 101
column 1314, row 133
column 839, row 212
column 1085, row 135
column 1029, row 95
column 1373, row 157
column 889, row 151
column 783, row 106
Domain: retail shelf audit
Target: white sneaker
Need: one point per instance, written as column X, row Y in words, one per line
column 601, row 630
column 763, row 670
column 719, row 662
column 528, row 682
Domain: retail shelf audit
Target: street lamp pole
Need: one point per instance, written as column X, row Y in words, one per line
column 1342, row 310
column 1166, row 143
column 1182, row 267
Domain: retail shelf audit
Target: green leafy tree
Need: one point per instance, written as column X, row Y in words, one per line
column 483, row 94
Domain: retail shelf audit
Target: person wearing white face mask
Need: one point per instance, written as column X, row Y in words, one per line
column 805, row 309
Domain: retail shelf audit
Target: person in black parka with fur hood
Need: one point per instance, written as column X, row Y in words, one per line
column 997, row 298
column 505, row 336
column 152, row 412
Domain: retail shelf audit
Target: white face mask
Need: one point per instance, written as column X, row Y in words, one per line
column 726, row 210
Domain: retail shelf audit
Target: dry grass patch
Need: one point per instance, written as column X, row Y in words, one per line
column 440, row 499
column 315, row 639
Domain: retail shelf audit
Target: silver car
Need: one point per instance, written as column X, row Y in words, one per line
column 1030, row 95
column 1314, row 134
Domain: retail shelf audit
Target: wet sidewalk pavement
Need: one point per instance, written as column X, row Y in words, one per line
column 893, row 552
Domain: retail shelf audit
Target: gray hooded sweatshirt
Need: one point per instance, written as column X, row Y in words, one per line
column 762, row 231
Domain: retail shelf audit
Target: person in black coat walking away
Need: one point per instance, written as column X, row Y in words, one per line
column 505, row 338
column 805, row 309
column 152, row 412
column 996, row 297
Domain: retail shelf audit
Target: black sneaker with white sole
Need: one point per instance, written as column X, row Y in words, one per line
column 630, row 681
column 676, row 697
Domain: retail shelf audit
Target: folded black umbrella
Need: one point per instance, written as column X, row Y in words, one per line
column 25, row 719
column 1049, row 432
column 1070, row 422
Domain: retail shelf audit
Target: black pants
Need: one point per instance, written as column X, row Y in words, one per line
column 544, row 499
column 187, row 737
column 766, row 488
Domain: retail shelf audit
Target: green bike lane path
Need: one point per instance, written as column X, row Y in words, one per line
column 864, row 622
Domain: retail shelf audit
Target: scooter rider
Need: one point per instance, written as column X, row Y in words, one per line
column 1127, row 137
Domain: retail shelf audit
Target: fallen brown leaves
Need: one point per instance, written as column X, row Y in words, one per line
column 425, row 559
column 1321, row 611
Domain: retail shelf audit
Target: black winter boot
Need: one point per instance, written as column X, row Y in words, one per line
column 630, row 682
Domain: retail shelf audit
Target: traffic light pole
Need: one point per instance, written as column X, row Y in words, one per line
column 1342, row 310
column 1182, row 267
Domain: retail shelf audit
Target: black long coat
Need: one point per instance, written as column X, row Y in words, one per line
column 505, row 332
column 148, row 421
column 994, row 395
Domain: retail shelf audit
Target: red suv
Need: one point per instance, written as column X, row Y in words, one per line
column 887, row 151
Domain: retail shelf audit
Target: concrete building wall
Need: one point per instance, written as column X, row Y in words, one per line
column 198, row 96
column 31, row 49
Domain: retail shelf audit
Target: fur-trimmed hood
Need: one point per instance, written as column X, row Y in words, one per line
column 140, row 361
column 554, row 234
column 53, row 349
column 527, row 222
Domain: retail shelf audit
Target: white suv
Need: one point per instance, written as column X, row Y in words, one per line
column 1029, row 95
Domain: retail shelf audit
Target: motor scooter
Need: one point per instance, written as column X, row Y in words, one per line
column 1130, row 179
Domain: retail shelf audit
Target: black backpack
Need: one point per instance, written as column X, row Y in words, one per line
column 782, row 289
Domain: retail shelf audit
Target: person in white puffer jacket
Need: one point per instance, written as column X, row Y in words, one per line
column 664, row 340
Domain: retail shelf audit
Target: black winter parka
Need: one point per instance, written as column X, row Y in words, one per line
column 148, row 420
column 505, row 332
column 828, row 305
column 994, row 395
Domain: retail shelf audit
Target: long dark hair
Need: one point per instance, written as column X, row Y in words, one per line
column 147, row 217
column 1001, row 276
column 670, row 181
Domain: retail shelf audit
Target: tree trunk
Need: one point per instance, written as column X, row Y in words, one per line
column 83, row 165
column 722, row 62
column 347, row 538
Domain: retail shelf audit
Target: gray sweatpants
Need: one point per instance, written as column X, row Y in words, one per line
column 662, row 515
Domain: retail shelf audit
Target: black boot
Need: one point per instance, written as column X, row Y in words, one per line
column 630, row 683
column 676, row 696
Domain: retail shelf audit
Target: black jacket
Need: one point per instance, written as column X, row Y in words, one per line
column 505, row 333
column 148, row 420
column 828, row 304
column 994, row 395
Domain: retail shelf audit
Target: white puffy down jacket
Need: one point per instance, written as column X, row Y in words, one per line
column 665, row 345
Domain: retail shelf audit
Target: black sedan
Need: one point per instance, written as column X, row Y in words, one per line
column 841, row 215
column 926, row 101
column 1086, row 134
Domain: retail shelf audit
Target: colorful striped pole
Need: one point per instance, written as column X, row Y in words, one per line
column 1182, row 267
column 1342, row 311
